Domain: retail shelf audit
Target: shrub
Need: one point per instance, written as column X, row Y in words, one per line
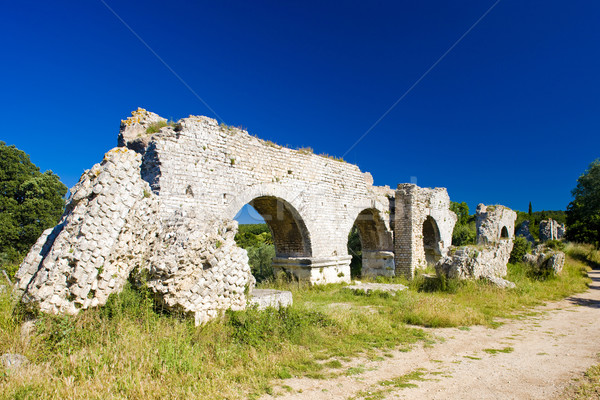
column 555, row 245
column 260, row 259
column 463, row 235
column 521, row 247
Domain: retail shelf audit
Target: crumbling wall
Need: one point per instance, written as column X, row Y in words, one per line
column 198, row 269
column 494, row 223
column 545, row 261
column 473, row 262
column 310, row 201
column 90, row 253
column 111, row 231
column 551, row 230
column 489, row 258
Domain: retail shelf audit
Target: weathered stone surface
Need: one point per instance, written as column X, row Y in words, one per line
column 546, row 261
column 551, row 230
column 494, row 223
column 500, row 282
column 263, row 298
column 560, row 231
column 12, row 362
column 368, row 287
column 199, row 270
column 473, row 262
column 523, row 231
column 107, row 230
column 489, row 259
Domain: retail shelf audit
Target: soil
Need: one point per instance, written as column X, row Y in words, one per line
column 539, row 356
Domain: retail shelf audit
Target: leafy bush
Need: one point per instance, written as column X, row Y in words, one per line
column 464, row 235
column 464, row 231
column 521, row 247
column 253, row 235
column 260, row 259
column 555, row 245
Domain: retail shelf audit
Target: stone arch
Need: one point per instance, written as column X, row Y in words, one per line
column 376, row 243
column 431, row 240
column 504, row 233
column 290, row 234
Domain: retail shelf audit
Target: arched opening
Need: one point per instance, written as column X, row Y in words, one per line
column 271, row 227
column 431, row 240
column 369, row 244
column 504, row 233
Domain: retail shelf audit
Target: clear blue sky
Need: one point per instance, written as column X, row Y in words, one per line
column 510, row 115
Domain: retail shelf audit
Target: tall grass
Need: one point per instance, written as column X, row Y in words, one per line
column 131, row 349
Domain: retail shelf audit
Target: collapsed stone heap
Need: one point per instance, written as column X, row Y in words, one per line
column 489, row 258
column 111, row 232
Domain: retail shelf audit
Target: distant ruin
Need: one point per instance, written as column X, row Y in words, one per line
column 551, row 230
column 489, row 258
column 159, row 209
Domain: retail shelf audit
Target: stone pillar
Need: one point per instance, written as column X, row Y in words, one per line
column 404, row 227
column 315, row 270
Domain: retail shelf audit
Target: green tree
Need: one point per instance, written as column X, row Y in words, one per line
column 530, row 210
column 257, row 240
column 355, row 250
column 30, row 201
column 583, row 213
column 461, row 210
column 464, row 231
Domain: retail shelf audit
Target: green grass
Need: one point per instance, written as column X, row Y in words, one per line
column 129, row 349
column 496, row 351
column 390, row 385
column 155, row 127
column 586, row 388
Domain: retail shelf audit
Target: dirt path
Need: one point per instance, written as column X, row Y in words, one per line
column 540, row 356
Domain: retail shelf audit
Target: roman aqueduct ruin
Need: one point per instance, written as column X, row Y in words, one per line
column 160, row 207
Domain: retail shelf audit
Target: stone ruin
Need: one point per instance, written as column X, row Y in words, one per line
column 159, row 210
column 551, row 230
column 545, row 261
column 489, row 258
column 524, row 231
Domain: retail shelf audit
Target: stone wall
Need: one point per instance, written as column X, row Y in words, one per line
column 423, row 227
column 310, row 202
column 545, row 261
